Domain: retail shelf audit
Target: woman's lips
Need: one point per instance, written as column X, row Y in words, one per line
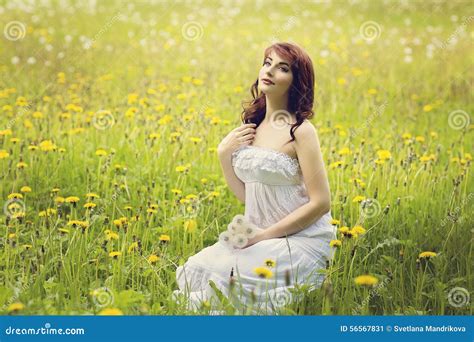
column 267, row 82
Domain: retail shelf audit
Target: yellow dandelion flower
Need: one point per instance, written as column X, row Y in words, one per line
column 358, row 199
column 72, row 199
column 335, row 243
column 25, row 189
column 335, row 222
column 15, row 195
column 111, row 236
column 153, row 258
column 359, row 230
column 4, row 154
column 100, row 153
column 115, row 255
column 270, row 262
column 427, row 108
column 190, row 226
column 366, row 280
column 263, row 272
column 90, row 205
column 92, row 195
column 384, row 154
column 15, row 307
column 427, row 255
column 133, row 246
column 164, row 238
column 111, row 312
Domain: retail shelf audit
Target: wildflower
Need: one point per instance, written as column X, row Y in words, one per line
column 120, row 222
column 427, row 255
column 366, row 280
column 164, row 238
column 372, row 91
column 25, row 189
column 115, row 255
column 111, row 312
column 47, row 145
column 336, row 164
column 133, row 247
column 358, row 199
column 384, row 154
column 346, row 232
column 21, row 165
column 100, row 153
column 59, row 200
column 15, row 307
column 335, row 243
column 335, row 222
column 90, row 205
column 358, row 230
column 190, row 226
column 4, row 154
column 344, row 151
column 109, row 235
column 72, row 199
column 15, row 195
column 427, row 108
column 270, row 263
column 47, row 213
column 91, row 195
column 263, row 272
column 153, row 258
column 176, row 191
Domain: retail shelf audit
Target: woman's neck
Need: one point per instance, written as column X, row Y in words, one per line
column 274, row 107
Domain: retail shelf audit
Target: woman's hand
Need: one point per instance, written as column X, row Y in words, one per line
column 242, row 135
column 257, row 238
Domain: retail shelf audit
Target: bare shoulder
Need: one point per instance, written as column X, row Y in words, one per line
column 306, row 132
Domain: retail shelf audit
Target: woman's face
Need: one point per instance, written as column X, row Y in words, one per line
column 278, row 71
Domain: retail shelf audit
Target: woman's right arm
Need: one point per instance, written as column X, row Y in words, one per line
column 242, row 135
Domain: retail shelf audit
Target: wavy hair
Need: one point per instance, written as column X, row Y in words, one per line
column 301, row 94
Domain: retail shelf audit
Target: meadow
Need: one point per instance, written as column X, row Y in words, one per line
column 110, row 117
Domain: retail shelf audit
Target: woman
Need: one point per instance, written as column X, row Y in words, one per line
column 273, row 164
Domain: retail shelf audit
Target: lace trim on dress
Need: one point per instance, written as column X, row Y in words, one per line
column 271, row 160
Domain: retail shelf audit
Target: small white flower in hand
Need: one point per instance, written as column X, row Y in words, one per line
column 240, row 233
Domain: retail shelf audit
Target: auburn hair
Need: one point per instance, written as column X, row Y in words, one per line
column 301, row 94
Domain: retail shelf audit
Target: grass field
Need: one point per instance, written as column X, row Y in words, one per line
column 110, row 116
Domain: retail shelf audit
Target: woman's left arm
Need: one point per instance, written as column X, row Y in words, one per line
column 315, row 178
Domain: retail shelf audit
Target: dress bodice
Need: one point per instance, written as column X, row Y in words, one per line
column 265, row 165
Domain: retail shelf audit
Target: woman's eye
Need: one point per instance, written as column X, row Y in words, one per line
column 284, row 69
column 265, row 63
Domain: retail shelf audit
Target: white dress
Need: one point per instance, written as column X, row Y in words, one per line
column 273, row 188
